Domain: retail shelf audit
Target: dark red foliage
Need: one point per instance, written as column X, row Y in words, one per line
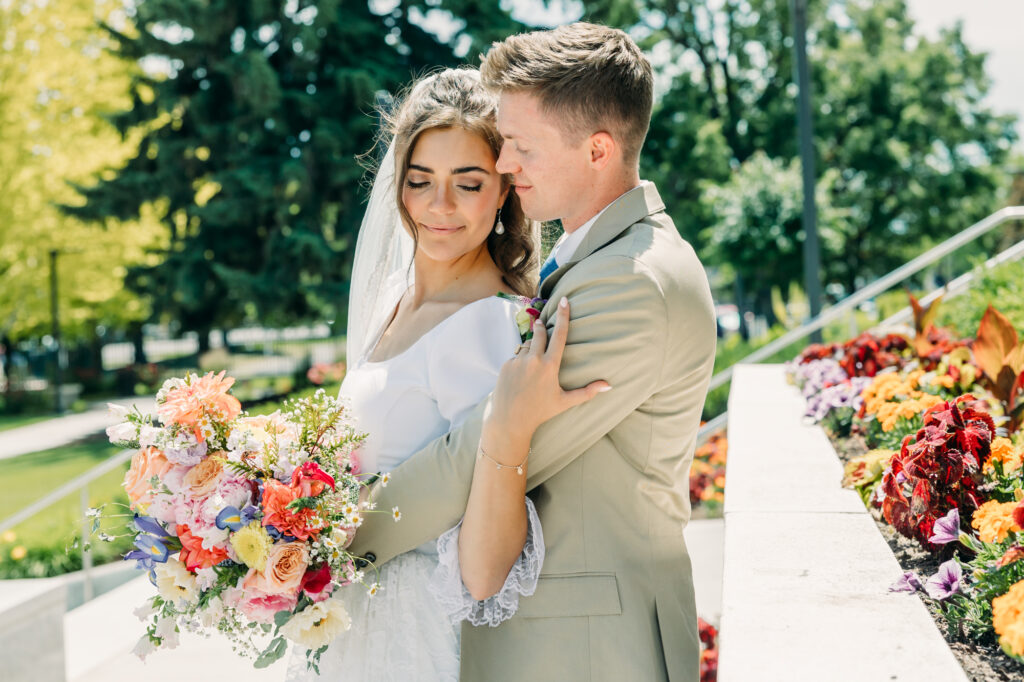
column 935, row 343
column 866, row 355
column 708, row 651
column 817, row 351
column 938, row 468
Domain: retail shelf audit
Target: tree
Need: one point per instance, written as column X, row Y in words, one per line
column 56, row 84
column 757, row 212
column 899, row 118
column 251, row 140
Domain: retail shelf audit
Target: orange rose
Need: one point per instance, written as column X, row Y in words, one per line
column 286, row 564
column 276, row 496
column 202, row 479
column 193, row 555
column 146, row 463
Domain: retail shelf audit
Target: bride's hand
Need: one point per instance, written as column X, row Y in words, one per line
column 528, row 392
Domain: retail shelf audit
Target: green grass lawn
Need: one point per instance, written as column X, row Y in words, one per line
column 13, row 421
column 26, row 478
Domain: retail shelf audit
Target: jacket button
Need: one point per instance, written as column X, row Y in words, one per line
column 371, row 557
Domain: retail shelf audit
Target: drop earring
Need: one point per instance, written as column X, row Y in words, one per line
column 499, row 227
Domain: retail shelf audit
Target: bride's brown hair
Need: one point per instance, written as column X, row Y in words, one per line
column 454, row 98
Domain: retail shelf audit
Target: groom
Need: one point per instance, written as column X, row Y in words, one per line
column 609, row 477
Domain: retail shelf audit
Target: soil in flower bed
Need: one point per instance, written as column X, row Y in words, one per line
column 981, row 662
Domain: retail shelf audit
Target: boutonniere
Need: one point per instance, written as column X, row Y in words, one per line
column 529, row 310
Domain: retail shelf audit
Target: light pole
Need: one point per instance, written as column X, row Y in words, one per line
column 812, row 251
column 55, row 320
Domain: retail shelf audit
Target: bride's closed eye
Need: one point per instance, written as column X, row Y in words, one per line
column 421, row 185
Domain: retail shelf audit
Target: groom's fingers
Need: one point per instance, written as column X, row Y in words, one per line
column 561, row 332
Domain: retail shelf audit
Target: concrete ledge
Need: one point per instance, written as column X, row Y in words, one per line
column 31, row 630
column 806, row 572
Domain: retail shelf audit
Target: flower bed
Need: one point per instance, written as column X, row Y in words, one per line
column 928, row 427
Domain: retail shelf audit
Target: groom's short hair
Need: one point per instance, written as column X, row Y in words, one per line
column 590, row 76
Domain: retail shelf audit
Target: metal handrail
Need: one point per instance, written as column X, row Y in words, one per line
column 66, row 489
column 956, row 287
column 867, row 292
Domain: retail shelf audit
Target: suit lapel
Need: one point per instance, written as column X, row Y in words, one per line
column 630, row 208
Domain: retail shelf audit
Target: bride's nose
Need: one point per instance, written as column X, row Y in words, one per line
column 442, row 202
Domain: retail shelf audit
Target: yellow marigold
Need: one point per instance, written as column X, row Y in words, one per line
column 1004, row 452
column 994, row 520
column 890, row 413
column 886, row 387
column 1008, row 619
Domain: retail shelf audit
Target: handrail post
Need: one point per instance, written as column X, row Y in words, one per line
column 86, row 546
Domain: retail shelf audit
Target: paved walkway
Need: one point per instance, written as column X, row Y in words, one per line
column 99, row 636
column 59, row 431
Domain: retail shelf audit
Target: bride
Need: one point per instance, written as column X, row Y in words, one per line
column 427, row 339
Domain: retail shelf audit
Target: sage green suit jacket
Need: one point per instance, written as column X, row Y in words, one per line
column 609, row 478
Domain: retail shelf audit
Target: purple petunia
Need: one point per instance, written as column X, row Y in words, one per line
column 946, row 529
column 813, row 376
column 946, row 582
column 909, row 582
column 846, row 393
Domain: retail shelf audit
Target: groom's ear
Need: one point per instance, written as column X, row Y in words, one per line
column 603, row 148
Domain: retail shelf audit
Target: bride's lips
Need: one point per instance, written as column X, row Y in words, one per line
column 441, row 229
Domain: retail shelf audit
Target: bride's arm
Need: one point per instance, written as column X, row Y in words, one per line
column 494, row 528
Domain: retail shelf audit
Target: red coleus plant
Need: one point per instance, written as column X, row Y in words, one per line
column 1001, row 358
column 708, row 651
column 866, row 355
column 938, row 469
column 863, row 356
column 931, row 343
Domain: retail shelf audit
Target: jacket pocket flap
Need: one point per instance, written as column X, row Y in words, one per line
column 580, row 594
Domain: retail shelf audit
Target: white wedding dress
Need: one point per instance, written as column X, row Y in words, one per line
column 410, row 629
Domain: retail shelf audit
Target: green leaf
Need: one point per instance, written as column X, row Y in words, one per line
column 274, row 651
column 281, row 617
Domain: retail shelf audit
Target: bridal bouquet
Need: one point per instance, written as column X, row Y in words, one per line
column 242, row 521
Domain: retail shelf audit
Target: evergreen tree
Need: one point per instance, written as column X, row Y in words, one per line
column 251, row 144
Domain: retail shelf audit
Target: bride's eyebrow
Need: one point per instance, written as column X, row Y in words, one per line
column 455, row 171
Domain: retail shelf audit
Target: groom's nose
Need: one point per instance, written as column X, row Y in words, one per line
column 506, row 162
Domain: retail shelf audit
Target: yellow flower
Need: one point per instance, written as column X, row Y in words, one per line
column 8, row 536
column 1008, row 619
column 1004, row 452
column 19, row 553
column 252, row 545
column 316, row 625
column 994, row 520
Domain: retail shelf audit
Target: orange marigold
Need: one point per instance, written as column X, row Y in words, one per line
column 1008, row 619
column 994, row 520
column 1004, row 452
column 208, row 395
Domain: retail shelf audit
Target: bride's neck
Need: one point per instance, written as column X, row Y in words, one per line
column 458, row 280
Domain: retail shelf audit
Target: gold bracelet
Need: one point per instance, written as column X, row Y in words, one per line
column 498, row 465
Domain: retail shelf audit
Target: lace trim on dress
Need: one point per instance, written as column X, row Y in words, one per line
column 455, row 599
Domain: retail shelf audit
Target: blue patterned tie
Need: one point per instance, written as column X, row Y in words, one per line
column 550, row 265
